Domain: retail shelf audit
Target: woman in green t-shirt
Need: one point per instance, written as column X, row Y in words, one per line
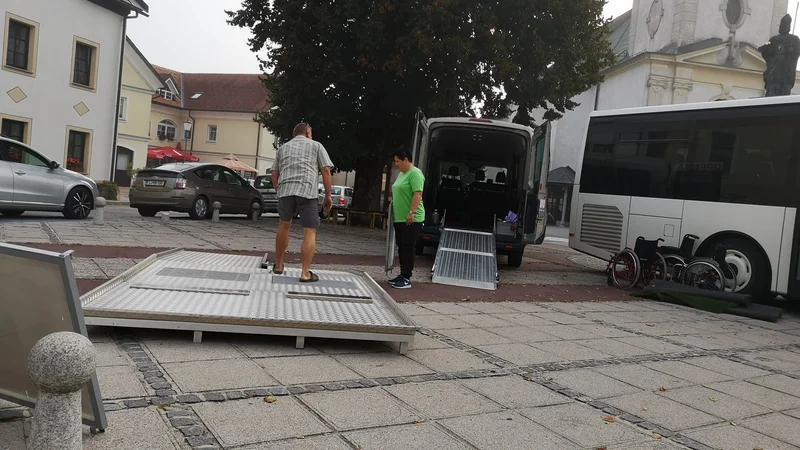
column 408, row 212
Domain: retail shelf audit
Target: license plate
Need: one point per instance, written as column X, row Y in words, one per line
column 270, row 196
column 154, row 182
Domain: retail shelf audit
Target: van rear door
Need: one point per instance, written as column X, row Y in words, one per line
column 534, row 215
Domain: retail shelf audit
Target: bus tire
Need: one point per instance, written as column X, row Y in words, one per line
column 749, row 264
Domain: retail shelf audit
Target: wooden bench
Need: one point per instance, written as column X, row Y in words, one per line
column 349, row 213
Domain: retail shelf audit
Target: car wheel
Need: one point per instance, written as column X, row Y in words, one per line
column 252, row 206
column 79, row 203
column 148, row 212
column 200, row 209
column 12, row 212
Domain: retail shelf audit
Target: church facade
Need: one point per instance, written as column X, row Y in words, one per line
column 669, row 52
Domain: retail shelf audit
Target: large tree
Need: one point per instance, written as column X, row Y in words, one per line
column 357, row 70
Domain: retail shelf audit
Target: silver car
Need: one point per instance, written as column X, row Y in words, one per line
column 30, row 181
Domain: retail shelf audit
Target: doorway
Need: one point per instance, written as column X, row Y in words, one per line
column 124, row 158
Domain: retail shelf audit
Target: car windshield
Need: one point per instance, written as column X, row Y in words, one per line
column 175, row 167
column 336, row 191
column 263, row 182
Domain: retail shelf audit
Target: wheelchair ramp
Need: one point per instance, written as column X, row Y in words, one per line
column 466, row 258
column 199, row 292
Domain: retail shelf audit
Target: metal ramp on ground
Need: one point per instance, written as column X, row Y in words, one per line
column 195, row 291
column 466, row 258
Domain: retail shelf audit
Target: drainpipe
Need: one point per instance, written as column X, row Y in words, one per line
column 193, row 131
column 258, row 143
column 119, row 93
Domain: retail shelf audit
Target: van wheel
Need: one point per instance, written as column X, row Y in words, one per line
column 200, row 209
column 515, row 258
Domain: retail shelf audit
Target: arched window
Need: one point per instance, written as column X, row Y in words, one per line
column 166, row 130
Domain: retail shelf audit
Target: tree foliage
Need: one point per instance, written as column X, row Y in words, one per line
column 358, row 70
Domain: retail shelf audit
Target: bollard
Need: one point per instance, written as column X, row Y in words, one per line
column 99, row 211
column 164, row 217
column 215, row 215
column 256, row 213
column 60, row 364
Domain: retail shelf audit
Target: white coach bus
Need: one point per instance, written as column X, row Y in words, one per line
column 725, row 171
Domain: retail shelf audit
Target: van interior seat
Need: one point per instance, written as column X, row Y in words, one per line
column 451, row 192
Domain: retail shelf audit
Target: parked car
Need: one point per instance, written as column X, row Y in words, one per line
column 341, row 196
column 193, row 188
column 30, row 181
column 268, row 192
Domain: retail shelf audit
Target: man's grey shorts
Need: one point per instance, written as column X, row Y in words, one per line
column 288, row 207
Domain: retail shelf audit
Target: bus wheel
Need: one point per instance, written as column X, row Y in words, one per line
column 749, row 266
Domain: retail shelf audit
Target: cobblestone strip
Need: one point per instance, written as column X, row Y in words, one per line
column 51, row 233
column 180, row 416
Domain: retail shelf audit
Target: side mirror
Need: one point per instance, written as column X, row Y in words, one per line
column 53, row 165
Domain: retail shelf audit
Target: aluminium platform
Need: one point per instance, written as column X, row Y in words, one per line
column 195, row 291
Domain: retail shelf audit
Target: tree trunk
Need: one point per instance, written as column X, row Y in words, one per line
column 367, row 186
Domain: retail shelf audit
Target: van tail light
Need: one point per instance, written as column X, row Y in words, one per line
column 341, row 200
column 180, row 183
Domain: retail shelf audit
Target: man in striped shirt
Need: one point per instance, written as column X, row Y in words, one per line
column 295, row 175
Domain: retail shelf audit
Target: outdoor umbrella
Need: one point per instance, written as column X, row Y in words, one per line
column 233, row 163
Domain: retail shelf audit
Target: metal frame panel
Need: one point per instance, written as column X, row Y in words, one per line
column 93, row 411
column 459, row 261
column 344, row 305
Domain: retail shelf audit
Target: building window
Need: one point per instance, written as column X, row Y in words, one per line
column 734, row 13
column 212, row 133
column 78, row 150
column 166, row 130
column 14, row 129
column 123, row 109
column 167, row 95
column 84, row 64
column 20, row 39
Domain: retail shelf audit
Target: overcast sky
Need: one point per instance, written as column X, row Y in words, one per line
column 197, row 38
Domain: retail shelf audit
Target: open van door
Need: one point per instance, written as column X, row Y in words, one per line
column 534, row 216
column 419, row 149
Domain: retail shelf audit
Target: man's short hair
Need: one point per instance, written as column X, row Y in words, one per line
column 300, row 129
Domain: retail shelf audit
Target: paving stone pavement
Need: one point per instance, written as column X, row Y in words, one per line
column 477, row 376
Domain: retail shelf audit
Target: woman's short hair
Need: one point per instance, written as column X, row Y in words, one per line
column 402, row 154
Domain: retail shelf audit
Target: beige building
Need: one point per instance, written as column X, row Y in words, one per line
column 211, row 116
column 139, row 82
column 669, row 52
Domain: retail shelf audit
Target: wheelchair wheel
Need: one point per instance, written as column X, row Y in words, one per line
column 625, row 269
column 673, row 260
column 703, row 275
column 657, row 270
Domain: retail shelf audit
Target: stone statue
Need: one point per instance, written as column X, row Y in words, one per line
column 781, row 54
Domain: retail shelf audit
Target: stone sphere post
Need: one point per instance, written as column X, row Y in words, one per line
column 256, row 212
column 60, row 364
column 164, row 217
column 99, row 211
column 215, row 214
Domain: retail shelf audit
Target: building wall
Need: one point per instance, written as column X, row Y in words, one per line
column 50, row 99
column 159, row 113
column 624, row 88
column 756, row 28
